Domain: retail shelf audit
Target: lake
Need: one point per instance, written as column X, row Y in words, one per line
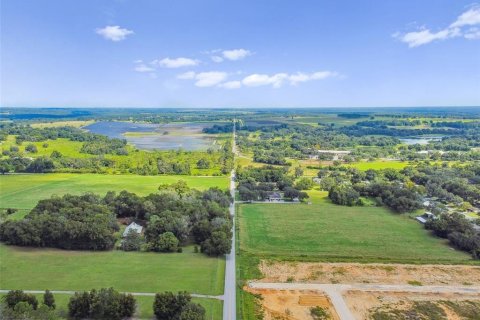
column 147, row 136
column 419, row 140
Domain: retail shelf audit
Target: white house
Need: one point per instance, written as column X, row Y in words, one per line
column 132, row 226
column 274, row 196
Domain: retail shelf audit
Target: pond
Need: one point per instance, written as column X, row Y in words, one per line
column 420, row 140
column 147, row 136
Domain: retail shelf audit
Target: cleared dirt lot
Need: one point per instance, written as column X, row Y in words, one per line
column 292, row 304
column 364, row 305
column 370, row 273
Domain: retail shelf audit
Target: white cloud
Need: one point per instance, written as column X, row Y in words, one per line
column 204, row 79
column 257, row 80
column 236, row 54
column 187, row 75
column 277, row 80
column 418, row 38
column 114, row 33
column 424, row 35
column 176, row 62
column 218, row 79
column 472, row 34
column 468, row 18
column 210, row 79
column 217, row 59
column 231, row 85
column 143, row 68
column 303, row 77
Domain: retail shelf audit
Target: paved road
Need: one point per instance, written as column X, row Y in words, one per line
column 334, row 291
column 229, row 293
column 144, row 294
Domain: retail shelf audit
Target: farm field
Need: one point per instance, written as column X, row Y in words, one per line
column 38, row 269
column 327, row 232
column 23, row 191
column 212, row 307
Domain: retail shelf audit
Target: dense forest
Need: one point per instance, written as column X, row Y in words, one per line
column 173, row 217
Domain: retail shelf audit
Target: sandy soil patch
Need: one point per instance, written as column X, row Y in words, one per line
column 364, row 304
column 370, row 273
column 292, row 304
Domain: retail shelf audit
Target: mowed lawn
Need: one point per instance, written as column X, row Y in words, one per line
column 40, row 269
column 23, row 191
column 324, row 231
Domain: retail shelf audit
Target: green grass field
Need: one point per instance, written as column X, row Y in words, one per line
column 326, row 232
column 39, row 269
column 212, row 307
column 379, row 165
column 23, row 191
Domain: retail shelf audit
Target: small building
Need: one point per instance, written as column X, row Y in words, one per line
column 421, row 219
column 132, row 226
column 274, row 196
column 337, row 154
column 424, row 217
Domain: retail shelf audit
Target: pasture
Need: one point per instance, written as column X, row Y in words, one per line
column 22, row 191
column 379, row 165
column 323, row 231
column 39, row 269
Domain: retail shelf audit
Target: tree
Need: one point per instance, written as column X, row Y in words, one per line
column 132, row 241
column 180, row 187
column 298, row 172
column 56, row 154
column 101, row 304
column 217, row 244
column 193, row 311
column 48, row 299
column 344, row 195
column 41, row 164
column 170, row 306
column 166, row 242
column 31, row 148
column 13, row 297
column 304, row 184
column 203, row 164
column 5, row 166
column 79, row 305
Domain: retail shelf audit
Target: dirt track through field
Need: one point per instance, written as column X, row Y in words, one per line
column 370, row 273
column 335, row 291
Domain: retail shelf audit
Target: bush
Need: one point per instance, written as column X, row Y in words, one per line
column 319, row 313
column 31, row 148
column 13, row 297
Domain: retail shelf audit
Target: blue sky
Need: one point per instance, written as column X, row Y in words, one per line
column 270, row 53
